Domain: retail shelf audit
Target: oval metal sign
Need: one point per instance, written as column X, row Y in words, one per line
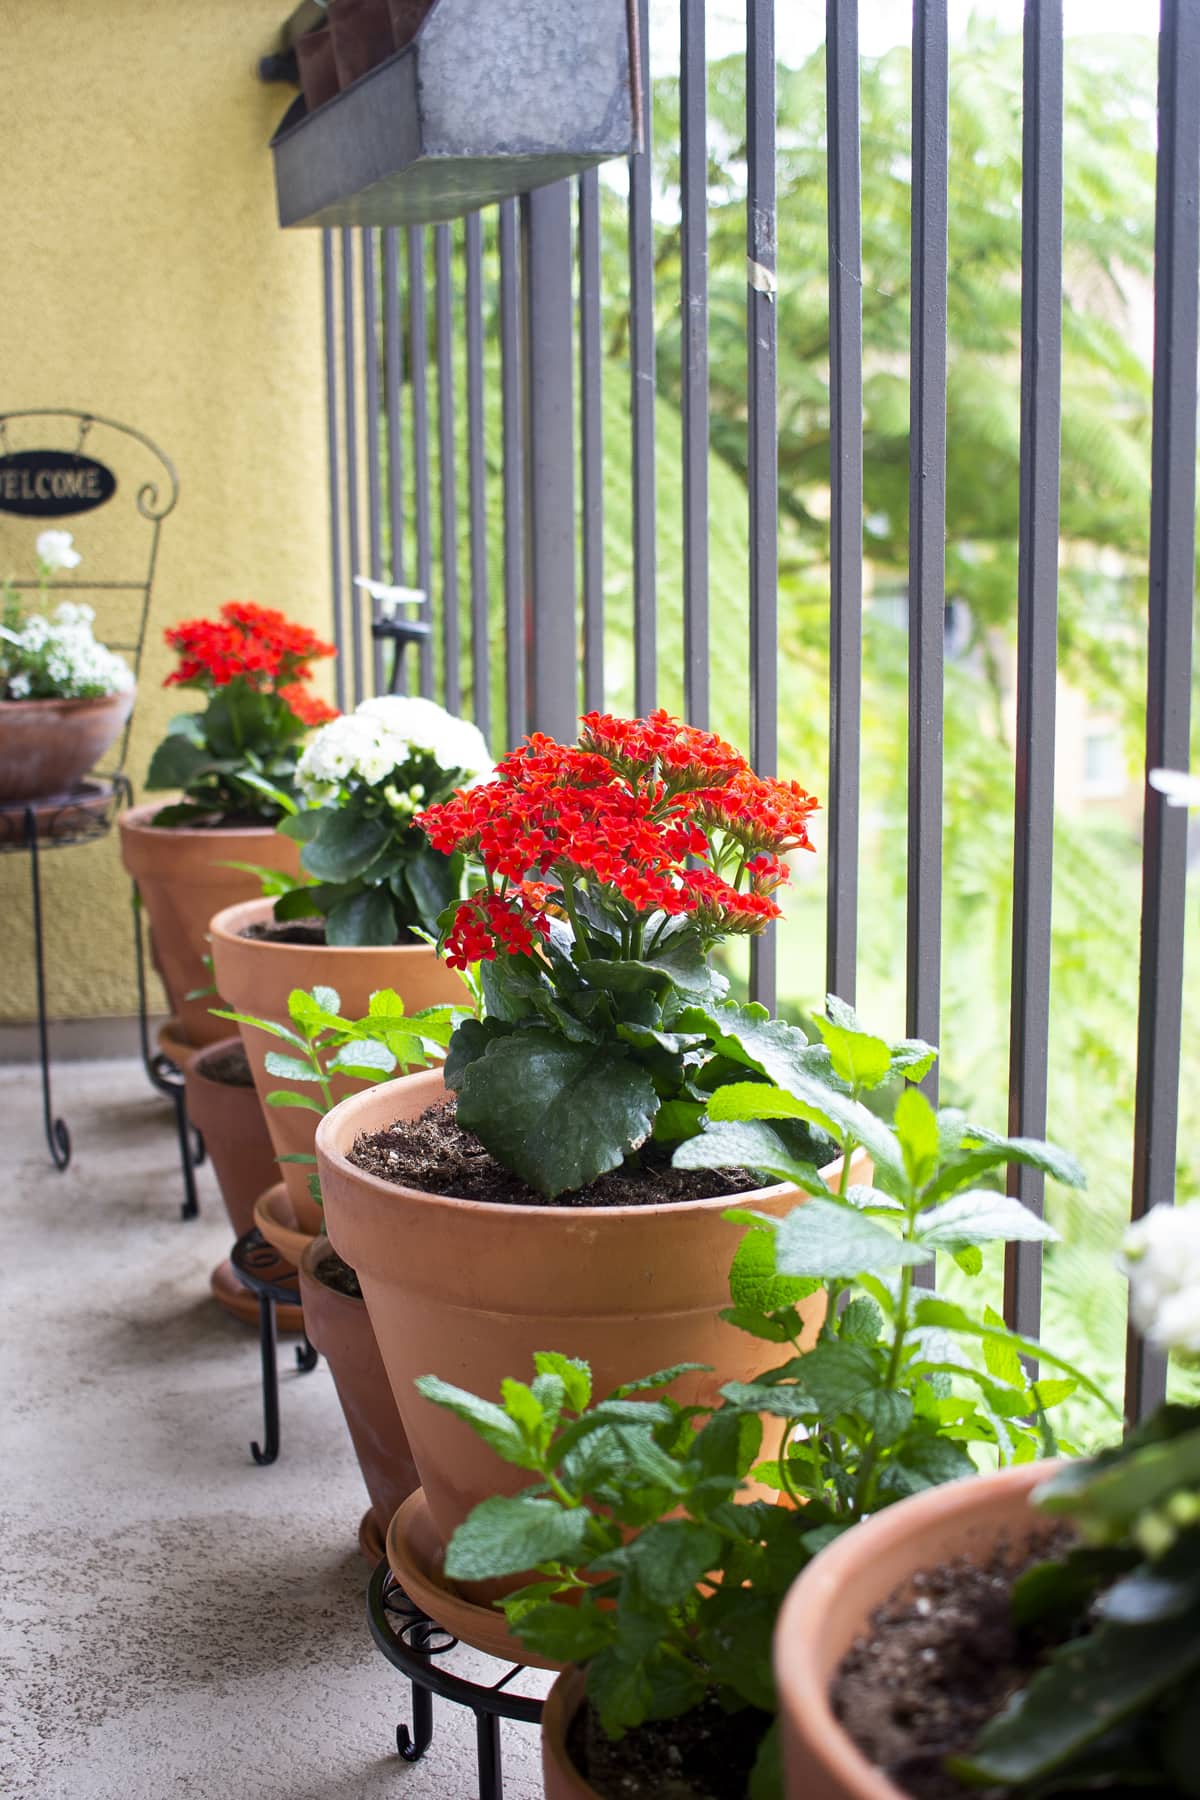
column 49, row 484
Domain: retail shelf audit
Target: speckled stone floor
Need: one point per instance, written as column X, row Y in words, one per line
column 174, row 1621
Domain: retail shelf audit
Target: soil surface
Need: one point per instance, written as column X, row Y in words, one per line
column 938, row 1664
column 333, row 1273
column 433, row 1152
column 706, row 1754
column 291, row 931
column 231, row 1068
column 221, row 822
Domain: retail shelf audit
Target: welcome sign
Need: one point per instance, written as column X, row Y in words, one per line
column 50, row 484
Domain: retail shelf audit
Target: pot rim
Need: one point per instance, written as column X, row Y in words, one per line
column 345, row 1109
column 803, row 1689
column 220, row 1047
column 564, row 1700
column 316, row 1251
column 139, row 819
column 225, row 924
column 58, row 702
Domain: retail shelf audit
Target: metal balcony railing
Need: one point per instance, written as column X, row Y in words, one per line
column 489, row 494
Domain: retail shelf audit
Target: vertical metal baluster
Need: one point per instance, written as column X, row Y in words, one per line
column 763, row 462
column 591, row 433
column 418, row 332
column 515, row 703
column 350, row 406
column 846, row 495
column 1037, row 627
column 693, row 106
column 331, row 446
column 393, row 368
column 642, row 369
column 1172, row 592
column 927, row 517
column 550, row 495
column 447, row 465
column 477, row 471
column 370, row 306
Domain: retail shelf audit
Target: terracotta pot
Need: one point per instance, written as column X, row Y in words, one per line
column 341, row 1330
column 362, row 37
column 468, row 1291
column 256, row 976
column 832, row 1602
column 47, row 746
column 560, row 1778
column 318, row 71
column 408, row 16
column 182, row 877
column 230, row 1120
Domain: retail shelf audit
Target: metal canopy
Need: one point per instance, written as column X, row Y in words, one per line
column 484, row 103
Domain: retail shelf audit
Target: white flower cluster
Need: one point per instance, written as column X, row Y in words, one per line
column 56, row 550
column 58, row 658
column 1161, row 1258
column 377, row 741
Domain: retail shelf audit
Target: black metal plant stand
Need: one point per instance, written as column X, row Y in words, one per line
column 259, row 1266
column 56, row 823
column 167, row 1077
column 412, row 1642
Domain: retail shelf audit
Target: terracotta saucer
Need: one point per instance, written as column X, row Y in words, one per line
column 237, row 1299
column 370, row 1537
column 415, row 1553
column 275, row 1218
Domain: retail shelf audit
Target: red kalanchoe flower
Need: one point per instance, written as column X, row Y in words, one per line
column 255, row 644
column 652, row 819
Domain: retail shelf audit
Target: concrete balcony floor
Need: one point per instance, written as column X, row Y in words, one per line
column 173, row 1619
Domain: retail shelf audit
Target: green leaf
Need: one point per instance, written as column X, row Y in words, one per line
column 575, row 1376
column 951, row 1317
column 963, row 1168
column 917, row 1128
column 834, row 1242
column 782, row 1402
column 176, row 762
column 312, row 1012
column 486, row 1419
column 285, row 1097
column 677, row 1119
column 1086, row 1690
column 1112, row 1489
column 556, row 1114
column 620, row 1691
column 924, row 1462
column 365, row 1058
column 750, row 1036
column 837, row 1374
column 661, row 1378
column 838, row 1114
column 861, row 1323
column 766, row 1777
column 506, row 1534
column 748, row 1144
column 858, row 1058
column 755, row 1283
column 343, row 845
column 669, row 1558
column 912, row 1058
column 367, row 917
column 981, row 1216
column 1000, row 1354
column 289, row 1068
column 272, row 1026
column 564, row 1633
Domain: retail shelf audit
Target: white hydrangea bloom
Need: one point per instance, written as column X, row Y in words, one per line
column 1161, row 1258
column 375, row 743
column 56, row 550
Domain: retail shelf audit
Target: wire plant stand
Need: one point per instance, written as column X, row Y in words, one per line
column 88, row 811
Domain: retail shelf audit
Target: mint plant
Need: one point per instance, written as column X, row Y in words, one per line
column 653, row 1567
column 322, row 1044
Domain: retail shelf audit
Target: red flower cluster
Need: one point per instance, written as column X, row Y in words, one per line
column 256, row 644
column 650, row 815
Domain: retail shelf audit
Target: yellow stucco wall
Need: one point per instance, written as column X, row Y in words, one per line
column 144, row 277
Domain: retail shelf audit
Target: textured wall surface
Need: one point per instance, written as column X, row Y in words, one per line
column 144, row 277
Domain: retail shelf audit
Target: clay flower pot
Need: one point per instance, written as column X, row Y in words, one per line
column 256, row 976
column 340, row 1328
column 831, row 1603
column 362, row 37
column 229, row 1118
column 560, row 1778
column 47, row 746
column 469, row 1291
column 182, row 877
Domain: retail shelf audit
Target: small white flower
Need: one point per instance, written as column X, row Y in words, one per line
column 1180, row 789
column 377, row 742
column 1161, row 1258
column 56, row 550
column 18, row 687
